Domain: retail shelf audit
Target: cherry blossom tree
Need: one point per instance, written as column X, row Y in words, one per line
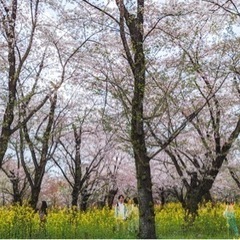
column 15, row 60
column 134, row 89
column 81, row 156
column 209, row 67
column 19, row 21
column 39, row 155
column 17, row 179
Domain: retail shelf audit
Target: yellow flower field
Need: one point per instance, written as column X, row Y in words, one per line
column 23, row 222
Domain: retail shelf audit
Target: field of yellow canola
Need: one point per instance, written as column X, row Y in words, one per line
column 23, row 222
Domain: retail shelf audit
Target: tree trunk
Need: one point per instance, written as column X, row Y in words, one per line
column 34, row 196
column 84, row 200
column 196, row 192
column 78, row 182
column 17, row 198
column 9, row 28
column 75, row 195
column 110, row 197
column 16, row 61
column 146, row 205
column 135, row 55
column 41, row 165
column 192, row 201
column 136, row 60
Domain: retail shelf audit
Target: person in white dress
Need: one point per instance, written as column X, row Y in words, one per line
column 121, row 213
column 121, row 208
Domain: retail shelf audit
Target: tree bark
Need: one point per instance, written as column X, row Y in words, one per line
column 9, row 27
column 77, row 184
column 136, row 60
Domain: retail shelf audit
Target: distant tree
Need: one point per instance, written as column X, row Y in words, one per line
column 81, row 157
column 39, row 149
column 18, row 181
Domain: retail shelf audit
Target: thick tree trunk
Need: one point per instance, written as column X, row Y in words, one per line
column 75, row 195
column 195, row 195
column 207, row 197
column 84, row 200
column 191, row 204
column 136, row 60
column 17, row 198
column 146, row 206
column 34, row 196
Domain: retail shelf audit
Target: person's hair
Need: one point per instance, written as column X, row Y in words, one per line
column 135, row 200
column 120, row 196
column 127, row 199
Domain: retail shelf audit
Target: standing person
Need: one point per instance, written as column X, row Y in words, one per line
column 229, row 214
column 121, row 208
column 133, row 215
column 43, row 214
column 121, row 212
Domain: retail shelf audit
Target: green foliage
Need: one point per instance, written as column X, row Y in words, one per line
column 23, row 222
